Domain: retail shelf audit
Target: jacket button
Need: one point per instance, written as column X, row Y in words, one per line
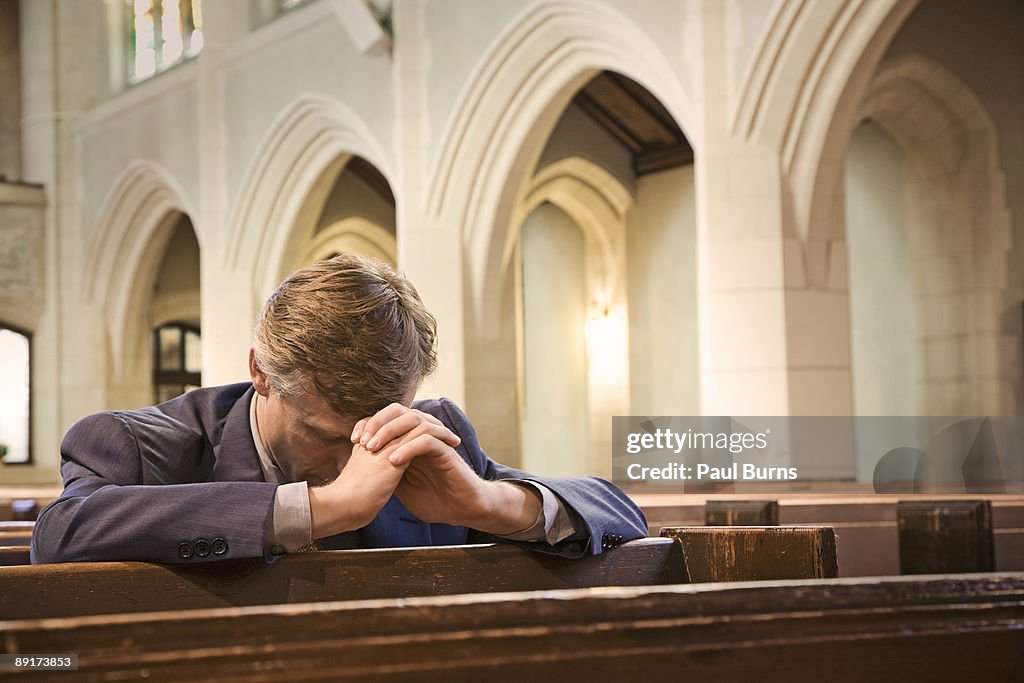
column 202, row 547
column 185, row 551
column 220, row 546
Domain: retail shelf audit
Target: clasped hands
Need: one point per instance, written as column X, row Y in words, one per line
column 410, row 454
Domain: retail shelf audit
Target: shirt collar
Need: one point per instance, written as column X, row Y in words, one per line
column 271, row 472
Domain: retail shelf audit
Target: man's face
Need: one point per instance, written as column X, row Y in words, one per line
column 305, row 437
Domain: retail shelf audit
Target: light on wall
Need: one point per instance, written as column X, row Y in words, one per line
column 607, row 348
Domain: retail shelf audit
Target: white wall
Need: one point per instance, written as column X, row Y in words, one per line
column 661, row 248
column 556, row 438
column 882, row 316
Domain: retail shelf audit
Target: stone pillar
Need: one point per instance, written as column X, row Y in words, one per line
column 429, row 254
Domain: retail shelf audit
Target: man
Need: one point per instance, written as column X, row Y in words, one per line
column 325, row 448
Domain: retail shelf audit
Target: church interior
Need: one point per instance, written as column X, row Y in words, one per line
column 788, row 208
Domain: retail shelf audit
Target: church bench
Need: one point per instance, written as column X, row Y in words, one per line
column 24, row 508
column 750, row 553
column 11, row 555
column 741, row 513
column 928, row 628
column 73, row 589
column 80, row 588
column 16, row 533
column 945, row 536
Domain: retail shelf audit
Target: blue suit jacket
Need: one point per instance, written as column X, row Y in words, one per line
column 139, row 484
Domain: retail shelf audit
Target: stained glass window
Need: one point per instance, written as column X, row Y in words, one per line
column 162, row 33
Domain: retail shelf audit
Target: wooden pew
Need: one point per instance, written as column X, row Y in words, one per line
column 16, row 533
column 741, row 513
column 934, row 628
column 945, row 536
column 75, row 589
column 21, row 508
column 60, row 590
column 756, row 553
column 12, row 555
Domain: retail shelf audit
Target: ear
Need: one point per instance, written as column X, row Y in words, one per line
column 259, row 380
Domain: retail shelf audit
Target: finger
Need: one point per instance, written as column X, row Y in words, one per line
column 409, row 422
column 396, row 428
column 421, row 445
column 405, row 430
column 358, row 429
column 449, row 437
column 382, row 417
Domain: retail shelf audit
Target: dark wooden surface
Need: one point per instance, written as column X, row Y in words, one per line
column 945, row 536
column 124, row 587
column 20, row 508
column 935, row 628
column 741, row 513
column 756, row 553
column 16, row 533
column 11, row 555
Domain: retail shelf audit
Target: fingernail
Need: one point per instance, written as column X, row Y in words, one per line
column 395, row 459
column 355, row 435
column 372, row 444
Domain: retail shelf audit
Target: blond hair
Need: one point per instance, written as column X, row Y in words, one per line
column 349, row 328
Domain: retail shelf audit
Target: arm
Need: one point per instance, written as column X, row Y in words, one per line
column 601, row 513
column 438, row 487
column 112, row 509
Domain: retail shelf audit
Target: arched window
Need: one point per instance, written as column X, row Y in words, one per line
column 15, row 396
column 177, row 349
column 161, row 33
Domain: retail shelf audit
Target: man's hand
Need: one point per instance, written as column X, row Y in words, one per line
column 438, row 485
column 353, row 500
column 394, row 422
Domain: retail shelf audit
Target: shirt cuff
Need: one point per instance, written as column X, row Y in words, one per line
column 292, row 526
column 553, row 523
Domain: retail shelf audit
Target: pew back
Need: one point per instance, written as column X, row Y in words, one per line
column 933, row 628
column 74, row 589
column 756, row 553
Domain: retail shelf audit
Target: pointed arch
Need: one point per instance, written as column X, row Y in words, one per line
column 508, row 108
column 597, row 202
column 959, row 234
column 135, row 222
column 836, row 49
column 357, row 235
column 291, row 174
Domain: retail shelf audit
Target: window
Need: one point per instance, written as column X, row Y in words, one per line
column 162, row 33
column 177, row 350
column 15, row 396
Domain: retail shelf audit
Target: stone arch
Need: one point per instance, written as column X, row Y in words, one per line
column 959, row 234
column 289, row 178
column 355, row 234
column 509, row 107
column 128, row 241
column 597, row 202
column 816, row 121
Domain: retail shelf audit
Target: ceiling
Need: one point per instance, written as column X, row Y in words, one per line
column 638, row 120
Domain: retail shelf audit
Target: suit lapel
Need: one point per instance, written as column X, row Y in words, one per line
column 236, row 457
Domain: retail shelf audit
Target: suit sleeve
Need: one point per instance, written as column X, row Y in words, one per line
column 603, row 515
column 107, row 513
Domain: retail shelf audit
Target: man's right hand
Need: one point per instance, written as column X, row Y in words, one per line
column 353, row 500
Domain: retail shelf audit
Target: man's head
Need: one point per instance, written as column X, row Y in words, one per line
column 338, row 341
column 350, row 329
